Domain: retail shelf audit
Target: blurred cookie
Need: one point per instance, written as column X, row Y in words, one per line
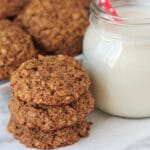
column 51, row 117
column 51, row 80
column 15, row 47
column 51, row 139
column 9, row 8
column 57, row 26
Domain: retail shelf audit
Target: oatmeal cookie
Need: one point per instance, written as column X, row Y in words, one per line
column 50, row 80
column 51, row 139
column 15, row 47
column 41, row 116
column 61, row 27
column 84, row 105
column 9, row 8
column 51, row 117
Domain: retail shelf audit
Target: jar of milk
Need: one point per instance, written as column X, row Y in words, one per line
column 117, row 56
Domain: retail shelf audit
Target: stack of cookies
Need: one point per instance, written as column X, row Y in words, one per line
column 51, row 100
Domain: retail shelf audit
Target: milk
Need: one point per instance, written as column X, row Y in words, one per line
column 118, row 60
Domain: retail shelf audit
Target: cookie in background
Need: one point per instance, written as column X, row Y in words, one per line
column 15, row 47
column 10, row 8
column 56, row 26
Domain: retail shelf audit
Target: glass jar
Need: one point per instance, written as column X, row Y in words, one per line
column 117, row 55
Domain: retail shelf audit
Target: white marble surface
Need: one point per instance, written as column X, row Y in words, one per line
column 107, row 133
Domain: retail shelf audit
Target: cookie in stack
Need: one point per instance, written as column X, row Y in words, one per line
column 51, row 100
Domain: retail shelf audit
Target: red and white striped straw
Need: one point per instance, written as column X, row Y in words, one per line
column 108, row 8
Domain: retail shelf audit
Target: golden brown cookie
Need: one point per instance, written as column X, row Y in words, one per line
column 50, row 80
column 84, row 105
column 48, row 118
column 15, row 47
column 9, row 8
column 57, row 26
column 41, row 116
column 51, row 139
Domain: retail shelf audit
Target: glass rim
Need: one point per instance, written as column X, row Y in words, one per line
column 99, row 13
